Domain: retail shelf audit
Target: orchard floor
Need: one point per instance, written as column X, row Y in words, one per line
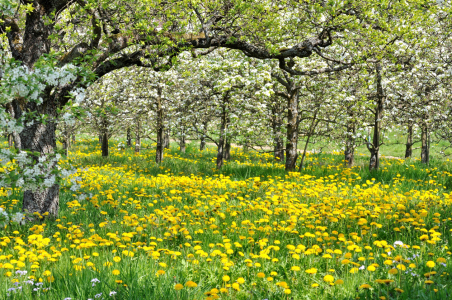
column 183, row 230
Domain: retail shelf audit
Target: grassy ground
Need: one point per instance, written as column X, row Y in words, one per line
column 183, row 230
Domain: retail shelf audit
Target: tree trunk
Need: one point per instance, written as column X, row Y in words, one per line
column 10, row 140
column 160, row 130
column 38, row 137
column 227, row 151
column 425, row 151
column 105, row 144
column 374, row 162
column 409, row 142
column 350, row 145
column 279, row 149
column 166, row 139
column 221, row 142
column 100, row 139
column 182, row 144
column 137, row 138
column 202, row 143
column 73, row 138
column 292, row 132
column 129, row 137
column 41, row 138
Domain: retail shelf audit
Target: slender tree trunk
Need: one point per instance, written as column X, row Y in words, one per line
column 409, row 142
column 374, row 162
column 202, row 144
column 160, row 130
column 182, row 144
column 292, row 132
column 129, row 137
column 105, row 143
column 10, row 140
column 73, row 138
column 100, row 139
column 221, row 142
column 138, row 138
column 350, row 145
column 425, row 149
column 227, row 143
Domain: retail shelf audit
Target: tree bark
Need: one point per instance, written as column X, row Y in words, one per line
column 105, row 144
column 221, row 141
column 41, row 138
column 227, row 151
column 202, row 143
column 166, row 139
column 160, row 130
column 292, row 131
column 137, row 138
column 182, row 144
column 425, row 149
column 350, row 145
column 38, row 137
column 104, row 135
column 409, row 142
column 73, row 138
column 129, row 137
column 374, row 162
column 10, row 140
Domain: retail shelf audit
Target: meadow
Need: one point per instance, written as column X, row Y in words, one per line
column 184, row 230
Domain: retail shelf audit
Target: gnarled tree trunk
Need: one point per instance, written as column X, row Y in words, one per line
column 41, row 138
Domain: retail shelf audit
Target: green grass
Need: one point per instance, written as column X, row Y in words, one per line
column 126, row 196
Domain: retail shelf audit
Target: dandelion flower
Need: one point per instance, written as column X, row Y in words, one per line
column 191, row 284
